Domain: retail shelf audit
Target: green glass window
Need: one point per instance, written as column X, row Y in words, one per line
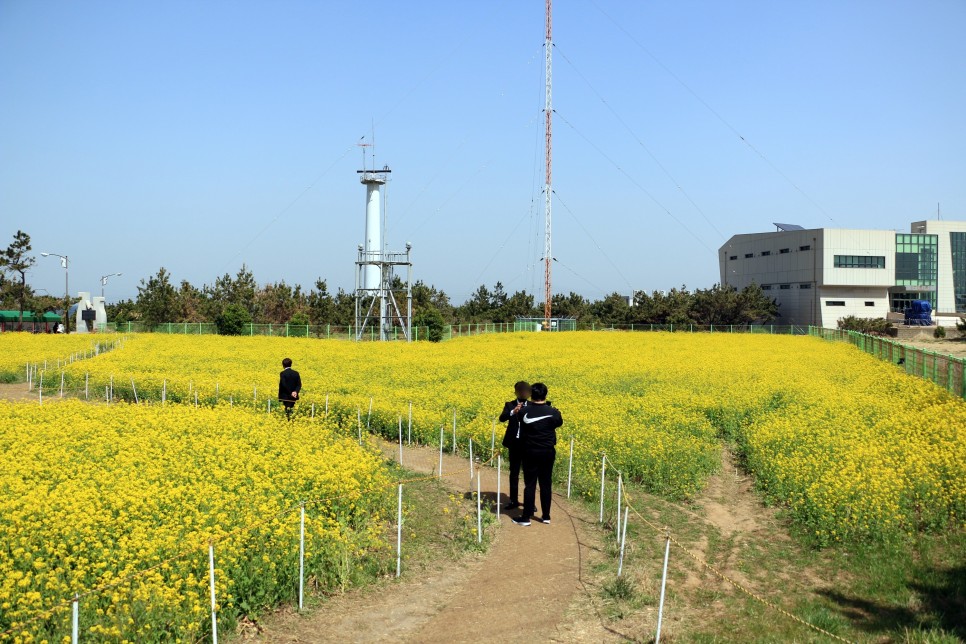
column 917, row 264
column 859, row 261
column 957, row 242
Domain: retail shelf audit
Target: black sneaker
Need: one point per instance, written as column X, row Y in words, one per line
column 511, row 505
column 543, row 520
column 522, row 521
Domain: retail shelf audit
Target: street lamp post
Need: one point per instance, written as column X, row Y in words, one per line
column 63, row 262
column 104, row 281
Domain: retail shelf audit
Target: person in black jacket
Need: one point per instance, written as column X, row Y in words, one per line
column 512, row 412
column 538, row 426
column 289, row 386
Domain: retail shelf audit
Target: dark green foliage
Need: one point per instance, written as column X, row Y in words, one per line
column 430, row 318
column 16, row 260
column 865, row 325
column 233, row 319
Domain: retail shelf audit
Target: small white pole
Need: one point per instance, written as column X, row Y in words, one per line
column 620, row 485
column 326, row 404
column 216, row 391
column 30, row 384
column 112, row 387
column 41, row 389
column 313, row 410
column 61, row 384
column 623, row 538
column 231, row 401
column 399, row 521
column 269, row 405
column 570, row 467
column 400, row 440
column 493, row 440
column 369, row 416
column 301, row 554
column 359, row 423
column 75, row 619
column 409, row 435
column 87, row 380
column 441, row 451
column 454, row 431
column 479, row 512
column 471, row 460
column 499, row 483
column 211, row 583
column 603, row 468
column 660, row 607
column 254, row 395
column 164, row 391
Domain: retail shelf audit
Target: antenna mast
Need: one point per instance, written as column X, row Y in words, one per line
column 547, row 186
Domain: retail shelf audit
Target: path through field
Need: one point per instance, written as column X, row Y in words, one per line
column 522, row 589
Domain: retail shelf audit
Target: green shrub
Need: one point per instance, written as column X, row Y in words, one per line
column 430, row 317
column 232, row 320
column 865, row 325
column 939, row 333
column 961, row 327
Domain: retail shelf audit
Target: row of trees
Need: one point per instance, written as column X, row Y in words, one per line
column 234, row 300
column 239, row 299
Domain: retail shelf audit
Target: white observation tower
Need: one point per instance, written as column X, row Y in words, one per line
column 378, row 290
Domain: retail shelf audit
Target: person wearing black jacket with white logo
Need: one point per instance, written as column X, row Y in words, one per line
column 512, row 413
column 539, row 430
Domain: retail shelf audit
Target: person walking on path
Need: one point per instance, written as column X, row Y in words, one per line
column 539, row 431
column 513, row 441
column 289, row 386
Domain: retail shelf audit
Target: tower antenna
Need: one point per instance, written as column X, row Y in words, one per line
column 547, row 186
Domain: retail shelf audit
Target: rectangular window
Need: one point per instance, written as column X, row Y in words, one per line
column 834, row 302
column 804, row 248
column 859, row 261
column 749, row 255
column 870, row 303
column 804, row 286
column 785, row 287
column 766, row 287
column 765, row 253
column 957, row 243
column 782, row 251
column 733, row 257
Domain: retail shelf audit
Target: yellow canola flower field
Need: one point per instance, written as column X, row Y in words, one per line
column 125, row 498
column 852, row 446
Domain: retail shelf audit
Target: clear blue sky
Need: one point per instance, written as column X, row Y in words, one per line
column 200, row 135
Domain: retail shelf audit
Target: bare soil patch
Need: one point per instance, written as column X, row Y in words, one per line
column 16, row 391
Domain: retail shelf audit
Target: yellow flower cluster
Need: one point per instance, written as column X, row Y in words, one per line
column 126, row 498
column 45, row 351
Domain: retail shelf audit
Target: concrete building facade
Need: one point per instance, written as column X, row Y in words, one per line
column 821, row 275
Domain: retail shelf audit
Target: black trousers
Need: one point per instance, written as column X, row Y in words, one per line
column 537, row 468
column 516, row 463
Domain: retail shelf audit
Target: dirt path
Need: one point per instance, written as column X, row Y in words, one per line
column 16, row 391
column 522, row 589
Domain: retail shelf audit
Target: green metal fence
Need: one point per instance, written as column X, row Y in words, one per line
column 942, row 369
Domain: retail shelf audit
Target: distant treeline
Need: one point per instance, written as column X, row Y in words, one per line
column 241, row 298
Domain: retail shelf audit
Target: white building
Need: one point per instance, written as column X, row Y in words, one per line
column 823, row 274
